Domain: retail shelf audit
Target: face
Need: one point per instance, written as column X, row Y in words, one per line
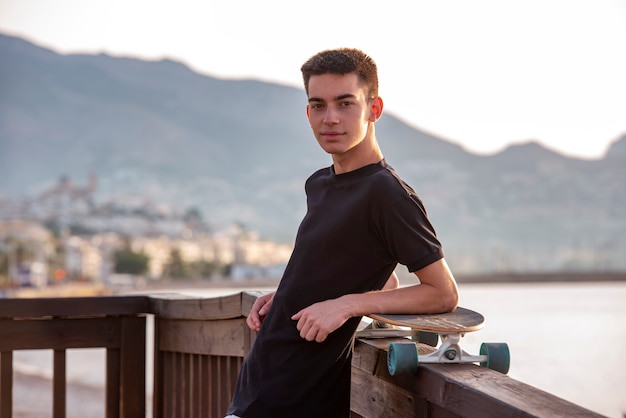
column 341, row 115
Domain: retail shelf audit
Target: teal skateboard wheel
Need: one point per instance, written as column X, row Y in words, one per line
column 498, row 356
column 402, row 358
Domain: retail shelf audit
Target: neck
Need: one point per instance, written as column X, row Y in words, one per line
column 366, row 153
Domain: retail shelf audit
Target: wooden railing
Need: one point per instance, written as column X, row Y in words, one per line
column 199, row 347
column 117, row 324
column 199, row 344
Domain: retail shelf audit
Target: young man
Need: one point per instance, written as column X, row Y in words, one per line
column 361, row 221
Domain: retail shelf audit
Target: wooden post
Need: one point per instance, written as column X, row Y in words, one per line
column 59, row 384
column 6, row 384
column 158, row 379
column 133, row 367
column 112, row 396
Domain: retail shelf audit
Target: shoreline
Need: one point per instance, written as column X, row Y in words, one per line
column 405, row 278
column 591, row 277
column 83, row 289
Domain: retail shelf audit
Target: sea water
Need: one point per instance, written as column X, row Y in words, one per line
column 568, row 339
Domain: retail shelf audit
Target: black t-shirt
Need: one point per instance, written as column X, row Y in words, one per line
column 358, row 226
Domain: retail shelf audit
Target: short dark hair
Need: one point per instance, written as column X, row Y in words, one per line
column 343, row 61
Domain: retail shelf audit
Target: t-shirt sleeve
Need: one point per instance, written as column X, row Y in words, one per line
column 407, row 233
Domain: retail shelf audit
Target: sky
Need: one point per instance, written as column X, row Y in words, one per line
column 484, row 74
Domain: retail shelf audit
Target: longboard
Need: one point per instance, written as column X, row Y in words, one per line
column 449, row 327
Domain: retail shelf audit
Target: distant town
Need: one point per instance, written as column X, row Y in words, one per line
column 66, row 235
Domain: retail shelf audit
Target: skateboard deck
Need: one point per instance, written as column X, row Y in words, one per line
column 450, row 328
column 461, row 320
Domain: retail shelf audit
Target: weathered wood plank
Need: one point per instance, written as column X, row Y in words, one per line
column 184, row 393
column 219, row 338
column 76, row 306
column 468, row 390
column 224, row 371
column 172, row 306
column 374, row 398
column 6, row 384
column 365, row 374
column 58, row 333
column 168, row 401
column 429, row 410
column 205, row 370
column 490, row 393
column 196, row 386
column 248, row 298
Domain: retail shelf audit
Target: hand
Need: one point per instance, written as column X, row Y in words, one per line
column 259, row 310
column 317, row 321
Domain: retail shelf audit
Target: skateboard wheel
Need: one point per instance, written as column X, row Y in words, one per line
column 402, row 358
column 498, row 356
column 428, row 338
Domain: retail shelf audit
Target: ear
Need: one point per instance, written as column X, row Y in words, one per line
column 308, row 112
column 376, row 109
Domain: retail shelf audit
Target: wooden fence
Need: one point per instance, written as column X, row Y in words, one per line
column 199, row 344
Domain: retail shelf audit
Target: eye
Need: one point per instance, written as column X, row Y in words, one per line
column 346, row 104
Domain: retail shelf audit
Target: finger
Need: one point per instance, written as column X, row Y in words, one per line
column 316, row 334
column 321, row 336
column 302, row 326
column 297, row 316
column 264, row 309
column 258, row 305
column 255, row 320
column 253, row 323
column 309, row 334
column 306, row 329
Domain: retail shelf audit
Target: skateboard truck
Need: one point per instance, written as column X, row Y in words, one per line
column 403, row 358
column 380, row 329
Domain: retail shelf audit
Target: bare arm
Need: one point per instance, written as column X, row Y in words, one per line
column 436, row 293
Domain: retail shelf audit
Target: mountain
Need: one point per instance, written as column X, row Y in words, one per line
column 240, row 150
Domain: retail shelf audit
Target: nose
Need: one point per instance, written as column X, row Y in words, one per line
column 331, row 116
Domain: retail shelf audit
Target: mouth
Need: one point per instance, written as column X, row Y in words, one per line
column 331, row 134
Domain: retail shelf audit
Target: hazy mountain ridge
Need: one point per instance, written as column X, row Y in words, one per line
column 241, row 149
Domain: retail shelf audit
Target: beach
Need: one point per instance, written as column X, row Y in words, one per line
column 32, row 398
